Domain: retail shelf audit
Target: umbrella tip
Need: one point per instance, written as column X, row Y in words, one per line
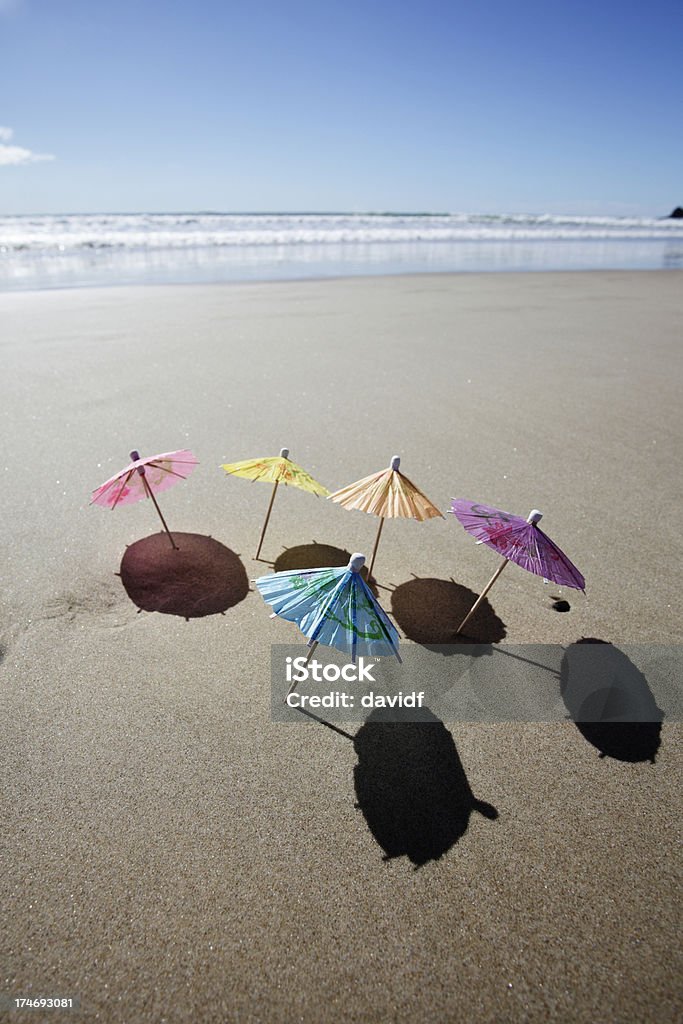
column 395, row 461
column 534, row 516
column 356, row 562
column 284, row 453
column 134, row 455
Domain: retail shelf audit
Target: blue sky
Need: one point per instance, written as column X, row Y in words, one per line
column 358, row 105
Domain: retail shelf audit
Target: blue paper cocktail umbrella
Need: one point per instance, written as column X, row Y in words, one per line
column 334, row 607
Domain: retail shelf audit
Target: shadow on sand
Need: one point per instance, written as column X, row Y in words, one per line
column 317, row 556
column 610, row 701
column 202, row 577
column 428, row 611
column 412, row 788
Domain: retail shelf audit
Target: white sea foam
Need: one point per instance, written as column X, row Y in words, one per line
column 108, row 248
column 51, row 234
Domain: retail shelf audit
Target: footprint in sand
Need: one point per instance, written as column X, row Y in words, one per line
column 12, row 624
column 98, row 606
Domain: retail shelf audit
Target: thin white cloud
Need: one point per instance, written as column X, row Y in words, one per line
column 15, row 155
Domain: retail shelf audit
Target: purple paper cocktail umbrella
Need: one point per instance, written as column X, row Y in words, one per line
column 517, row 540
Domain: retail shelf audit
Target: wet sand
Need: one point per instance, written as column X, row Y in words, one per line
column 169, row 853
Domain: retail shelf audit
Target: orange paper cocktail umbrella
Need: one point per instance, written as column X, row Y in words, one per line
column 388, row 494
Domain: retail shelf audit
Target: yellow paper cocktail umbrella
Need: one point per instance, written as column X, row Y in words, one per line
column 276, row 470
column 388, row 494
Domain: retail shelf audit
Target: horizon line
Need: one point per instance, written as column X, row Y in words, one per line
column 325, row 213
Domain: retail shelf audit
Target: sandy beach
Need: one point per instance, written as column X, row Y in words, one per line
column 172, row 854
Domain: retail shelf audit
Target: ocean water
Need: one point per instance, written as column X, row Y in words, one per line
column 106, row 249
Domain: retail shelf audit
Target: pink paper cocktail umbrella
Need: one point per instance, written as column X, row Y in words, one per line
column 517, row 540
column 144, row 478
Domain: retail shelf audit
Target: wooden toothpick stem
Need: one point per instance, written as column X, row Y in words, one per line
column 150, row 494
column 310, row 655
column 482, row 595
column 374, row 550
column 265, row 525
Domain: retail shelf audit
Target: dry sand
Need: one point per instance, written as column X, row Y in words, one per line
column 171, row 854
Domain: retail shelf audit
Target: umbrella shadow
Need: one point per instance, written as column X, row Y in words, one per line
column 610, row 701
column 412, row 788
column 202, row 577
column 318, row 556
column 428, row 611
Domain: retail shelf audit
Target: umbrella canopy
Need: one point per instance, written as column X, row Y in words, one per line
column 275, row 470
column 144, row 478
column 158, row 473
column 389, row 495
column 278, row 469
column 334, row 607
column 518, row 540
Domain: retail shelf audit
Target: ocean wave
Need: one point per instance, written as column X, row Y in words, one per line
column 56, row 235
